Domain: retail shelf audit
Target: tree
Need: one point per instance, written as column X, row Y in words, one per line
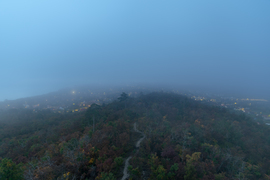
column 189, row 168
column 93, row 112
column 107, row 176
column 9, row 170
column 123, row 97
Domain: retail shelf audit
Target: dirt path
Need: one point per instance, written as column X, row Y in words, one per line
column 125, row 172
column 140, row 140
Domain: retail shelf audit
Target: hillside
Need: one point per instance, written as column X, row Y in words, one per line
column 78, row 97
column 184, row 139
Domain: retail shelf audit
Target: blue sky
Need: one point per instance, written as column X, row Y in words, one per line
column 47, row 45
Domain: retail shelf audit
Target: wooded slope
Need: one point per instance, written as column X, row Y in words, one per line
column 184, row 140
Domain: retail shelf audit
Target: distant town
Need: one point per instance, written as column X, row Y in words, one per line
column 258, row 109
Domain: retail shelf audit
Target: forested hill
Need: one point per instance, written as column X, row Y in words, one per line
column 184, row 139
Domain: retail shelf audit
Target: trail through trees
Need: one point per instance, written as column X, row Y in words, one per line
column 125, row 172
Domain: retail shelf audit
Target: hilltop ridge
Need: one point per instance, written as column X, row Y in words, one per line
column 184, row 139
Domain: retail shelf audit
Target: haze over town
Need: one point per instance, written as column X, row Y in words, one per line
column 143, row 89
column 215, row 46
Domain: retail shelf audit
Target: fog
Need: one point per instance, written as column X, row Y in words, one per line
column 221, row 46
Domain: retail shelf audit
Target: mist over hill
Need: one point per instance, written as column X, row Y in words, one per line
column 180, row 138
column 141, row 90
column 220, row 46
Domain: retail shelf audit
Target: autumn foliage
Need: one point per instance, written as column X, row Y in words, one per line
column 185, row 140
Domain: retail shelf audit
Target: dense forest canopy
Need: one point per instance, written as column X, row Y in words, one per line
column 184, row 139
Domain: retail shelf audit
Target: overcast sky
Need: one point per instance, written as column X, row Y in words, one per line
column 47, row 45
